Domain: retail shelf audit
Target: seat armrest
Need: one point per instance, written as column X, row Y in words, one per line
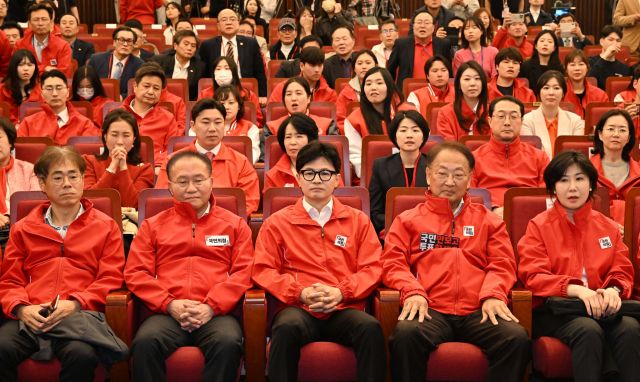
column 521, row 307
column 255, row 334
column 120, row 317
column 386, row 309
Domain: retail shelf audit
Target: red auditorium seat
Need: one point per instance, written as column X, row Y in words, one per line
column 93, row 145
column 594, row 111
column 432, row 115
column 30, row 148
column 239, row 143
column 615, row 85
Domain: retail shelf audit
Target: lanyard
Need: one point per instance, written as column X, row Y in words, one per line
column 473, row 56
column 415, row 171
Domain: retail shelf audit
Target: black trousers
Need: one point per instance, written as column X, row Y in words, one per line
column 506, row 345
column 597, row 350
column 294, row 327
column 78, row 359
column 160, row 335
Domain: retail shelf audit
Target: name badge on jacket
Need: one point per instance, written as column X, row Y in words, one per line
column 605, row 242
column 217, row 240
column 341, row 241
column 53, row 62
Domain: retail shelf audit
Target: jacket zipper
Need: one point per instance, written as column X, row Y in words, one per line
column 57, row 289
column 457, row 270
column 193, row 248
column 507, row 152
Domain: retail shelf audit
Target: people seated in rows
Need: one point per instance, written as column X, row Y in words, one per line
column 388, row 37
column 330, row 18
column 580, row 92
column 64, row 247
column 247, row 28
column 51, row 51
column 86, row 86
column 138, row 50
column 21, row 84
column 505, row 161
column 487, row 22
column 535, row 15
column 545, row 57
column 408, row 132
column 411, row 53
column 190, row 265
column 81, row 50
column 453, row 263
column 235, row 121
column 118, row 64
column 473, row 44
column 437, row 69
column 507, row 81
column 296, row 97
column 363, row 60
column 294, row 133
column 13, row 32
column 253, row 10
column 513, row 34
column 462, row 8
column 243, row 51
column 305, row 23
column 606, row 65
column 230, row 168
column 339, row 65
column 323, row 298
column 576, row 39
column 613, row 140
column 291, row 68
column 594, row 268
column 377, row 108
column 182, row 62
column 153, row 120
column 15, row 174
column 119, row 165
column 549, row 121
column 173, row 13
column 467, row 115
column 59, row 119
column 285, row 48
column 225, row 72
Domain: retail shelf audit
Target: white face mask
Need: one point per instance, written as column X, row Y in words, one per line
column 223, row 77
column 86, row 93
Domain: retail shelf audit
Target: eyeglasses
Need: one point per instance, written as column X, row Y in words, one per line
column 619, row 130
column 184, row 183
column 310, row 175
column 514, row 116
column 58, row 179
column 425, row 23
column 443, row 176
column 387, row 31
column 125, row 41
column 58, row 89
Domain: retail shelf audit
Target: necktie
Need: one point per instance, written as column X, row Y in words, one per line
column 60, row 121
column 210, row 155
column 230, row 51
column 117, row 73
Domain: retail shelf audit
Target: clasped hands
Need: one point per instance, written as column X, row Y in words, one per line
column 321, row 298
column 190, row 314
column 30, row 315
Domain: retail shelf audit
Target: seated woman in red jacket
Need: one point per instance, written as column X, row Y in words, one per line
column 630, row 98
column 21, row 84
column 467, row 115
column 362, row 61
column 579, row 92
column 377, row 109
column 572, row 251
column 437, row 70
column 225, row 72
column 234, row 121
column 296, row 94
column 613, row 141
column 86, row 86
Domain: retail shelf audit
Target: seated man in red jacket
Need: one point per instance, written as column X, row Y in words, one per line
column 454, row 266
column 64, row 248
column 505, row 161
column 321, row 260
column 190, row 265
column 514, row 34
column 58, row 119
column 230, row 168
column 508, row 61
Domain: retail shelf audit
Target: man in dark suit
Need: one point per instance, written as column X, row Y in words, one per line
column 243, row 50
column 340, row 64
column 119, row 63
column 82, row 50
column 441, row 16
column 577, row 39
column 409, row 54
column 182, row 62
column 138, row 50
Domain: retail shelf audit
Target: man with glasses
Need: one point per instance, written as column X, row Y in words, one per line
column 230, row 168
column 190, row 265
column 321, row 260
column 505, row 161
column 410, row 54
column 119, row 64
column 388, row 37
column 453, row 263
column 58, row 120
column 51, row 51
column 286, row 47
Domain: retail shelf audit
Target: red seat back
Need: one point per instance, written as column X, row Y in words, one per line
column 30, row 148
column 240, row 143
column 615, row 85
column 179, row 87
column 111, row 88
column 276, row 199
column 93, row 145
column 582, row 143
column 432, row 115
column 593, row 113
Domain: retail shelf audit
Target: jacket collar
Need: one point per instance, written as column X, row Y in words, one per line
column 580, row 217
column 441, row 206
column 504, row 148
column 49, row 112
column 186, row 210
column 634, row 172
column 300, row 216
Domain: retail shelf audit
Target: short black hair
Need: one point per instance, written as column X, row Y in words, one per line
column 315, row 150
column 510, row 53
column 39, row 7
column 206, row 104
column 53, row 155
column 420, row 11
column 115, row 115
column 182, row 20
column 89, row 73
column 359, row 53
column 119, row 29
column 150, row 69
column 560, row 163
column 548, row 76
column 598, row 145
column 608, row 29
column 437, row 57
column 181, row 35
column 387, row 21
column 565, row 15
column 10, row 130
column 451, row 146
column 12, row 25
column 307, row 39
column 187, row 154
column 312, row 55
column 413, row 115
column 222, row 94
column 133, row 23
column 302, row 123
column 507, row 98
column 300, row 81
column 53, row 73
column 247, row 22
column 72, row 15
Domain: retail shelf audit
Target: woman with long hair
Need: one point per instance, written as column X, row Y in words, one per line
column 579, row 92
column 437, row 70
column 474, row 47
column 234, row 122
column 545, row 57
column 21, row 83
column 173, row 12
column 86, row 86
column 487, row 22
column 467, row 115
column 253, row 10
column 305, row 23
column 362, row 61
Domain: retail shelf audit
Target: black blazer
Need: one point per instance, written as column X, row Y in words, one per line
column 101, row 63
column 194, row 72
column 82, row 51
column 249, row 55
column 543, row 18
column 401, row 60
column 333, row 70
column 389, row 172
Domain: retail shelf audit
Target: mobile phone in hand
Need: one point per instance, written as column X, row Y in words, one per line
column 45, row 312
